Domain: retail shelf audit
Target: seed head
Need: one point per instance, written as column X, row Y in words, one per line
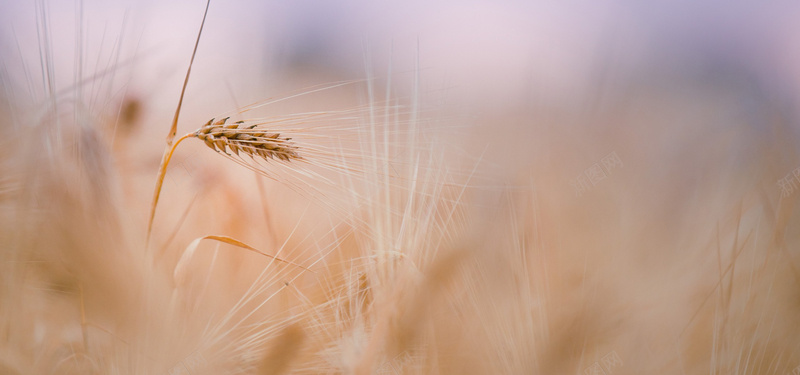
column 250, row 140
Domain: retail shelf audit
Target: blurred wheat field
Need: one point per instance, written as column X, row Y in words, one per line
column 480, row 188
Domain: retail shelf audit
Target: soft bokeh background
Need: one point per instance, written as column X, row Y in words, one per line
column 575, row 188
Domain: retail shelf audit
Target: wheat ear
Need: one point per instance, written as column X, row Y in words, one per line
column 250, row 140
column 220, row 137
column 236, row 137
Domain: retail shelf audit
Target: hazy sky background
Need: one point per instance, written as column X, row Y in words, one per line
column 488, row 51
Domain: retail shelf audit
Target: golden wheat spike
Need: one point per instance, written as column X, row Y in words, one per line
column 261, row 143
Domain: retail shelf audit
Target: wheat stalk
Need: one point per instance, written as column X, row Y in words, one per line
column 170, row 147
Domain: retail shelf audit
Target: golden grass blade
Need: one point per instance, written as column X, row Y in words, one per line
column 179, row 274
